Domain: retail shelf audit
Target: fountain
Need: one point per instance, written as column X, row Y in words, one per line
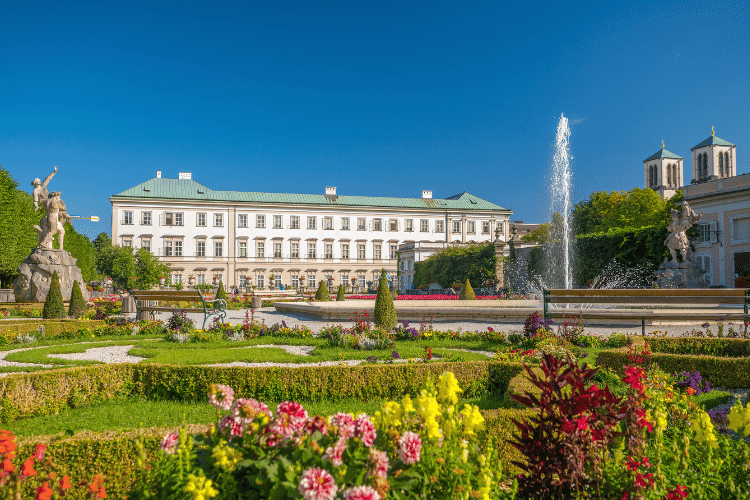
column 561, row 183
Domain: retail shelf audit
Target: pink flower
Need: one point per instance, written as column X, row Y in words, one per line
column 169, row 443
column 317, row 424
column 39, row 451
column 365, row 429
column 335, row 453
column 361, row 493
column 230, row 425
column 409, row 447
column 317, row 484
column 378, row 466
column 345, row 424
column 582, row 423
column 221, row 396
column 293, row 409
column 245, row 410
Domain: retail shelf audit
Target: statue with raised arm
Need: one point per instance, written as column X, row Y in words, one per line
column 56, row 213
column 677, row 241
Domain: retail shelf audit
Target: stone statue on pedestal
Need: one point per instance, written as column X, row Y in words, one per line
column 685, row 274
column 35, row 273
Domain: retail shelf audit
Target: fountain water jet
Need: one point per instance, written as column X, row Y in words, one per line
column 561, row 185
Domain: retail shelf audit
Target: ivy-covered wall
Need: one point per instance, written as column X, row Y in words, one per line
column 456, row 264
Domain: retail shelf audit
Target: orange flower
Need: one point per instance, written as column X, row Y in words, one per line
column 690, row 391
column 27, row 469
column 102, row 493
column 44, row 492
column 65, row 483
column 8, row 466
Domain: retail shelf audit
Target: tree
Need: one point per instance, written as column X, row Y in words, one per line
column 130, row 269
column 633, row 209
column 467, row 293
column 54, row 308
column 322, row 294
column 455, row 264
column 385, row 311
column 340, row 294
column 82, row 249
column 220, row 293
column 17, row 234
column 77, row 305
column 541, row 235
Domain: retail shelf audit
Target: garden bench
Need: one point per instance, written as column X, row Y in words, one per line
column 148, row 300
column 702, row 304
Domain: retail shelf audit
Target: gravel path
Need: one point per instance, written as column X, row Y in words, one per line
column 108, row 354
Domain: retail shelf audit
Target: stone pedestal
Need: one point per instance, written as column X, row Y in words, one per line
column 35, row 275
column 680, row 275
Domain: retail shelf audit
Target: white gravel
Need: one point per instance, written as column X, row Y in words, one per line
column 108, row 354
column 299, row 350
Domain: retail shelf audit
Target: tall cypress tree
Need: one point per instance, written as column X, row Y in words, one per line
column 54, row 308
column 340, row 294
column 385, row 311
column 77, row 305
column 322, row 294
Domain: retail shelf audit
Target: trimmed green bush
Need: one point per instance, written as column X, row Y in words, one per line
column 734, row 348
column 322, row 295
column 77, row 305
column 220, row 293
column 54, row 308
column 340, row 294
column 385, row 311
column 467, row 293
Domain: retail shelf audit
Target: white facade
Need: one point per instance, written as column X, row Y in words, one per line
column 245, row 238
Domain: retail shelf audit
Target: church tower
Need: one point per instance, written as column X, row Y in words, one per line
column 662, row 172
column 713, row 158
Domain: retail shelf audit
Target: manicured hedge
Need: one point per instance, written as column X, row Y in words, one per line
column 734, row 348
column 11, row 328
column 44, row 393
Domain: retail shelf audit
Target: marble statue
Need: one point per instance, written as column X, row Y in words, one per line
column 677, row 241
column 56, row 213
column 685, row 274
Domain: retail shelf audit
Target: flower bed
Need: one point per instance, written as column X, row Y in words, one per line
column 428, row 297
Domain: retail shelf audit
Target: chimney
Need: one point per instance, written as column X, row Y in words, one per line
column 426, row 195
column 331, row 190
column 158, row 174
column 185, row 175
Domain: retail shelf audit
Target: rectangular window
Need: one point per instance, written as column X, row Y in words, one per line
column 394, row 250
column 277, row 249
column 360, row 250
column 377, row 251
column 200, row 278
column 277, row 222
column 424, row 225
column 345, row 223
column 260, row 221
column 260, row 249
column 127, row 243
column 377, row 224
column 311, row 281
column 486, row 227
column 456, row 227
column 409, row 225
column 310, row 250
column 218, row 220
column 362, row 282
column 741, row 229
column 704, row 232
column 294, row 222
column 175, row 279
column 361, row 225
column 345, row 250
column 146, row 244
column 439, row 226
column 311, row 222
column 200, row 248
column 260, row 280
column 277, row 281
column 345, row 280
column 178, row 249
column 295, row 280
column 704, row 262
column 200, row 220
column 167, row 248
column 327, row 222
column 218, row 248
column 127, row 218
column 242, row 247
column 393, row 225
column 243, row 280
column 172, row 219
column 329, row 250
column 295, row 250
column 242, row 220
column 145, row 218
column 471, row 227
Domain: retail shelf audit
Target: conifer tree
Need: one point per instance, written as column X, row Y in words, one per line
column 77, row 305
column 54, row 308
column 467, row 293
column 220, row 293
column 385, row 311
column 322, row 294
column 340, row 294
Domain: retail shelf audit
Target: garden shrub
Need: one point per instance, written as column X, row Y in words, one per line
column 54, row 308
column 322, row 294
column 77, row 305
column 467, row 293
column 385, row 311
column 734, row 348
column 340, row 293
column 220, row 293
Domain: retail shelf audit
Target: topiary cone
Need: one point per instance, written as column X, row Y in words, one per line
column 385, row 311
column 220, row 293
column 340, row 294
column 322, row 294
column 54, row 308
column 77, row 305
column 467, row 293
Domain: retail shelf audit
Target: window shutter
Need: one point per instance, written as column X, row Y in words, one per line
column 162, row 218
column 713, row 229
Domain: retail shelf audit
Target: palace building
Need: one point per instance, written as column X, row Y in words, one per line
column 246, row 238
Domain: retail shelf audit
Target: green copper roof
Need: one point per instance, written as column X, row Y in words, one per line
column 712, row 140
column 188, row 189
column 663, row 153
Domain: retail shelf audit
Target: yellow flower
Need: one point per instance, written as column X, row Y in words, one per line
column 661, row 420
column 432, row 428
column 392, row 414
column 704, row 430
column 739, row 417
column 448, row 388
column 472, row 419
column 427, row 406
column 225, row 456
column 200, row 487
column 406, row 404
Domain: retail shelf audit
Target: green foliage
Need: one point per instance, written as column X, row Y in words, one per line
column 535, row 268
column 634, row 209
column 321, row 294
column 340, row 294
column 385, row 311
column 129, row 269
column 54, row 308
column 220, row 293
column 77, row 305
column 541, row 235
column 467, row 293
column 82, row 249
column 17, row 235
column 454, row 264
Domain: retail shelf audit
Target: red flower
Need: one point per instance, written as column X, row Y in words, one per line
column 633, row 377
column 39, row 451
column 582, row 424
column 568, row 427
column 102, row 493
column 7, row 466
column 65, row 483
column 27, row 469
column 677, row 493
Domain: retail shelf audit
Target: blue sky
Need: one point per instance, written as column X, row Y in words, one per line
column 377, row 98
